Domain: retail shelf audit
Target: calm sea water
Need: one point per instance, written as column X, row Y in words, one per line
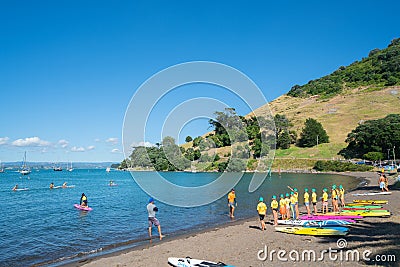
column 41, row 226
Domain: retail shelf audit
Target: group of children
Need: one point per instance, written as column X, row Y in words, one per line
column 288, row 205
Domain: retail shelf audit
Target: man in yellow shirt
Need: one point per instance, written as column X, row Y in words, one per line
column 325, row 201
column 262, row 210
column 232, row 203
column 314, row 200
column 307, row 201
column 296, row 206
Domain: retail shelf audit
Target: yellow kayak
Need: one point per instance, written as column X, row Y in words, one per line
column 370, row 201
column 334, row 231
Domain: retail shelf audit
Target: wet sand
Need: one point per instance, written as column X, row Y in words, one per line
column 239, row 243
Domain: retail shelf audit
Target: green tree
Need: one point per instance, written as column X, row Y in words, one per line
column 283, row 140
column 374, row 156
column 188, row 139
column 312, row 133
column 197, row 141
column 381, row 135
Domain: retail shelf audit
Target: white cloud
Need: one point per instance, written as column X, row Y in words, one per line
column 63, row 143
column 77, row 149
column 115, row 150
column 97, row 140
column 90, row 147
column 4, row 140
column 30, row 141
column 146, row 144
column 112, row 140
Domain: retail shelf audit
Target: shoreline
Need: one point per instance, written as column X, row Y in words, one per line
column 143, row 254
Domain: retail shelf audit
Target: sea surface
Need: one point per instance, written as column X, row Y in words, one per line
column 41, row 227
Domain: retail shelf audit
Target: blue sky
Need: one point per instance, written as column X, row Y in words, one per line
column 68, row 69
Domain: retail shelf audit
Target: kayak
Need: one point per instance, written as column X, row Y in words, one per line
column 334, row 231
column 370, row 201
column 79, row 207
column 189, row 262
column 372, row 194
column 333, row 216
column 315, row 223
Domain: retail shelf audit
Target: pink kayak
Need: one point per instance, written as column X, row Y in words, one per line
column 330, row 217
column 79, row 207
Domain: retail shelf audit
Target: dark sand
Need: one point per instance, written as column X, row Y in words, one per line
column 238, row 243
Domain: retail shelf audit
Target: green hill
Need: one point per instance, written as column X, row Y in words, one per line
column 380, row 69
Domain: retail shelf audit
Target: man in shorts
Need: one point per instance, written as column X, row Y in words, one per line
column 325, row 201
column 232, row 203
column 262, row 210
column 151, row 209
column 382, row 182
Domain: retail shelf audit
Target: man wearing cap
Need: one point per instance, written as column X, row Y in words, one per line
column 314, row 200
column 232, row 203
column 151, row 209
column 262, row 210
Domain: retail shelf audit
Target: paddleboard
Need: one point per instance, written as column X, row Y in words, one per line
column 364, row 211
column 189, row 262
column 315, row 223
column 79, row 207
column 370, row 214
column 370, row 201
column 21, row 189
column 372, row 194
column 334, row 231
column 363, row 207
column 333, row 216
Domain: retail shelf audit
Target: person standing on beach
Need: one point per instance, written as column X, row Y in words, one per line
column 325, row 201
column 232, row 203
column 274, row 207
column 293, row 205
column 151, row 210
column 341, row 196
column 287, row 200
column 334, row 196
column 382, row 182
column 282, row 207
column 262, row 210
column 314, row 200
column 296, row 206
column 307, row 201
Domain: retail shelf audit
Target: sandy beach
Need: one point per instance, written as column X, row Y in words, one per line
column 241, row 243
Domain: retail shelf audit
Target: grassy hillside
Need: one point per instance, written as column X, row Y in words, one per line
column 338, row 115
column 381, row 68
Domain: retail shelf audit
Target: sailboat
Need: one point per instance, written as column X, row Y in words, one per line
column 69, row 168
column 1, row 167
column 57, row 168
column 108, row 169
column 24, row 168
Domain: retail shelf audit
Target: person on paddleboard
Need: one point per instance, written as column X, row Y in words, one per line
column 232, row 203
column 152, row 220
column 262, row 211
column 83, row 202
column 52, row 185
column 15, row 187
